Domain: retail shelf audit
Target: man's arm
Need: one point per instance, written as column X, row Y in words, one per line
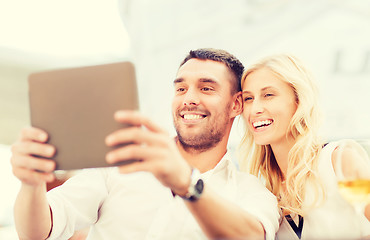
column 159, row 155
column 221, row 219
column 32, row 214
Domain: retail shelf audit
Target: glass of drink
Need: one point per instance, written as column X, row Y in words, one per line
column 352, row 167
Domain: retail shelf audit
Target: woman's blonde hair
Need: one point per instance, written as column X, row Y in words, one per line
column 304, row 125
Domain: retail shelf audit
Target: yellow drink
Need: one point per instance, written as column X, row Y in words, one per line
column 356, row 191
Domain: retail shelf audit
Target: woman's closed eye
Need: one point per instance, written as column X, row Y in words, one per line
column 247, row 99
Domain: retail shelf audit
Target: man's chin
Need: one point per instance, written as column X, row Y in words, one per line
column 189, row 132
column 198, row 142
column 195, row 145
column 190, row 141
column 190, row 137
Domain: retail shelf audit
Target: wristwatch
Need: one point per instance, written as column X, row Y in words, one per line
column 196, row 186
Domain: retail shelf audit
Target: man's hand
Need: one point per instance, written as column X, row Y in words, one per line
column 29, row 155
column 156, row 151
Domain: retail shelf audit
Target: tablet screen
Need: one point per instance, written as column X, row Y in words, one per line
column 75, row 106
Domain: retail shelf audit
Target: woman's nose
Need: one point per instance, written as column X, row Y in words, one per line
column 257, row 107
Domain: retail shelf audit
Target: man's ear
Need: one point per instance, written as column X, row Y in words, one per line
column 237, row 106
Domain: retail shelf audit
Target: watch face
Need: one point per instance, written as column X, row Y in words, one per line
column 199, row 186
column 196, row 187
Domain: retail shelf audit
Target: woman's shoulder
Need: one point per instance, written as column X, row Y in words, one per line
column 340, row 155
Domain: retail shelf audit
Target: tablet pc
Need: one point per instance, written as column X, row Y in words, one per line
column 75, row 106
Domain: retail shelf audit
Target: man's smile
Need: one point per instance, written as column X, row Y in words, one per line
column 192, row 117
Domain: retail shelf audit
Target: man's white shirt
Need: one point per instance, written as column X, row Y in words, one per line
column 138, row 206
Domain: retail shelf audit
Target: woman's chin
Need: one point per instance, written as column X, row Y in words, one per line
column 261, row 141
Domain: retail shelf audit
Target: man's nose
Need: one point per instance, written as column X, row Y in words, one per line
column 191, row 97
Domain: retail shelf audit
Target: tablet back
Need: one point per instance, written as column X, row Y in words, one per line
column 75, row 107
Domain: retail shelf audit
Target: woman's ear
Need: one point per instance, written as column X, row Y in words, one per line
column 237, row 107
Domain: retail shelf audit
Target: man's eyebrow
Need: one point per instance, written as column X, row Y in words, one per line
column 202, row 80
column 208, row 80
column 178, row 80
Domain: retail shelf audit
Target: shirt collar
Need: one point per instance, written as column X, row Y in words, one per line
column 225, row 164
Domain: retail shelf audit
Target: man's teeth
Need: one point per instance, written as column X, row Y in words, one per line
column 262, row 123
column 192, row 116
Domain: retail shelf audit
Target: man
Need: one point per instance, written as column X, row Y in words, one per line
column 182, row 189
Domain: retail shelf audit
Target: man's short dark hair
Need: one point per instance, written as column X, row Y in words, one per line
column 218, row 55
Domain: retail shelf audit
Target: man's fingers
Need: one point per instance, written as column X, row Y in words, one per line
column 133, row 167
column 34, row 134
column 31, row 177
column 132, row 151
column 137, row 119
column 136, row 135
column 33, row 148
column 32, row 163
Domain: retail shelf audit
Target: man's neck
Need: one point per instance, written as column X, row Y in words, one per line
column 203, row 160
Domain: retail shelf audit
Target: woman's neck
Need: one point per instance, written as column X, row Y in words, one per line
column 281, row 152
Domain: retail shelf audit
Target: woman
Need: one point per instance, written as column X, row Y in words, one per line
column 281, row 145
